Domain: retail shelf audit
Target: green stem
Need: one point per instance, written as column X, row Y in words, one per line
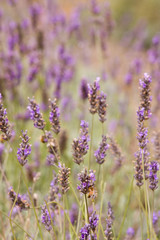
column 87, row 213
column 79, row 217
column 51, row 219
column 90, row 149
column 64, row 223
column 102, row 191
column 15, row 223
column 140, row 212
column 31, row 202
column 10, row 215
column 99, row 169
column 126, row 209
column 145, row 196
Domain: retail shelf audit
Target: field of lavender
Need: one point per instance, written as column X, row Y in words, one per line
column 79, row 121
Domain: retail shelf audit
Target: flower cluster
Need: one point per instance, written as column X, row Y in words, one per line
column 145, row 95
column 89, row 230
column 63, row 178
column 83, row 89
column 80, row 146
column 24, row 150
column 53, row 192
column 54, row 116
column 87, row 181
column 4, row 123
column 93, row 96
column 100, row 153
column 35, row 114
column 109, row 220
column 45, row 218
column 85, row 231
column 153, row 179
column 143, row 114
column 19, row 200
column 102, row 108
column 130, row 233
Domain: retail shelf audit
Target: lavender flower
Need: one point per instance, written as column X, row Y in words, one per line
column 51, row 160
column 45, row 218
column 83, row 89
column 145, row 95
column 54, row 116
column 35, row 114
column 157, row 146
column 142, row 131
column 54, row 192
column 87, row 181
column 21, row 202
column 138, row 168
column 100, row 153
column 155, row 219
column 102, row 107
column 153, row 179
column 24, row 150
column 80, row 146
column 109, row 220
column 93, row 221
column 4, row 123
column 93, row 96
column 130, row 233
column 85, row 231
column 63, row 139
column 63, row 178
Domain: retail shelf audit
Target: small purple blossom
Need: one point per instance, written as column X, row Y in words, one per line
column 83, row 89
column 85, row 231
column 130, row 233
column 54, row 116
column 4, row 123
column 145, row 95
column 93, row 221
column 102, row 107
column 109, row 221
column 153, row 179
column 93, row 96
column 45, row 218
column 35, row 114
column 87, row 181
column 80, row 146
column 100, row 153
column 24, row 150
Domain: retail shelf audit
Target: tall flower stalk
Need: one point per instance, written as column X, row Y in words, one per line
column 93, row 97
column 141, row 163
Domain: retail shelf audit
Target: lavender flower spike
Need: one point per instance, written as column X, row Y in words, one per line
column 87, row 181
column 145, row 95
column 45, row 218
column 63, row 177
column 80, row 146
column 102, row 108
column 100, row 153
column 93, row 221
column 24, row 150
column 93, row 93
column 54, row 116
column 109, row 220
column 4, row 123
column 153, row 179
column 35, row 114
column 85, row 232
